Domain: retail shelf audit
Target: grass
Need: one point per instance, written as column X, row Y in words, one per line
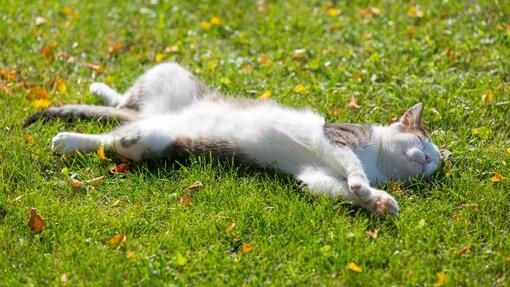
column 452, row 230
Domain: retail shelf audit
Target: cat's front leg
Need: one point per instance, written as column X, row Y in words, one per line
column 356, row 190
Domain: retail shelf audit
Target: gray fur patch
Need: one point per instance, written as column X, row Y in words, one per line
column 130, row 139
column 350, row 135
column 182, row 147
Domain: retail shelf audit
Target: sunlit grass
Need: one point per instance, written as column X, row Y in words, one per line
column 452, row 230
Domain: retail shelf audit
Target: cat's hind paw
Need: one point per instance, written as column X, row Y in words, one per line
column 65, row 143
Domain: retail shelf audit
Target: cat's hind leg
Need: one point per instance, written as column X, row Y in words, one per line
column 109, row 96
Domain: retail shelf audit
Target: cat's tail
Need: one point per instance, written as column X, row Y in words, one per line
column 70, row 112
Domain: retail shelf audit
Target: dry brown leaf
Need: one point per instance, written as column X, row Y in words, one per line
column 197, row 185
column 114, row 47
column 373, row 234
column 36, row 222
column 47, row 51
column 69, row 11
column 369, row 12
column 246, row 248
column 95, row 68
column 75, row 183
column 9, row 75
column 37, row 93
column 264, row 59
column 186, row 200
column 29, row 139
column 353, row 103
column 117, row 240
column 410, row 30
column 353, row 267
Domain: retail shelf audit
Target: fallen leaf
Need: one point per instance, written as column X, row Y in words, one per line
column 353, row 267
column 264, row 59
column 60, row 85
column 508, row 150
column 215, row 20
column 40, row 21
column 197, row 185
column 47, row 51
column 186, row 200
column 369, row 12
column 299, row 88
column 159, row 57
column 130, row 254
column 64, row 278
column 114, row 47
column 205, row 25
column 29, row 139
column 37, row 93
column 117, row 202
column 266, row 95
column 488, row 97
column 373, row 234
column 96, row 181
column 410, row 30
column 36, row 222
column 230, row 227
column 298, row 54
column 415, row 12
column 121, row 167
column 463, row 250
column 95, row 68
column 41, row 104
column 353, row 103
column 441, row 279
column 497, row 178
column 172, row 49
column 69, row 11
column 332, row 11
column 75, row 183
column 101, row 154
column 7, row 74
column 246, row 248
column 117, row 240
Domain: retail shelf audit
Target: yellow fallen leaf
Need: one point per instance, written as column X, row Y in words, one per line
column 246, row 248
column 69, row 11
column 130, row 254
column 333, row 12
column 215, row 20
column 96, row 181
column 230, row 227
column 264, row 59
column 41, row 104
column 353, row 103
column 299, row 88
column 508, row 150
column 37, row 93
column 488, row 97
column 415, row 12
column 410, row 30
column 35, row 222
column 441, row 279
column 497, row 178
column 463, row 250
column 117, row 240
column 60, row 85
column 266, row 95
column 97, row 69
column 101, row 154
column 205, row 25
column 29, row 139
column 159, row 57
column 369, row 12
column 117, row 202
column 353, row 267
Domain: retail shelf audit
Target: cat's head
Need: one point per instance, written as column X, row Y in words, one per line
column 406, row 149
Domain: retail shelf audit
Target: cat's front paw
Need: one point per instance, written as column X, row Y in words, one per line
column 97, row 88
column 64, row 143
column 382, row 203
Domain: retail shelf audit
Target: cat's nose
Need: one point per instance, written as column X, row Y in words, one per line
column 428, row 159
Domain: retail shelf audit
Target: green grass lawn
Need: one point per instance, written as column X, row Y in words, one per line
column 247, row 226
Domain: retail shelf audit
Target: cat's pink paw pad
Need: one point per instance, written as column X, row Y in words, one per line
column 385, row 204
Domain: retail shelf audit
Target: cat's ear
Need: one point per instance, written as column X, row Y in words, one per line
column 412, row 118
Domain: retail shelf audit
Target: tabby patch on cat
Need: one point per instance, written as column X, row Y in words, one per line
column 168, row 113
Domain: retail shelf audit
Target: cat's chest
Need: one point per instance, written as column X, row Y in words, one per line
column 369, row 160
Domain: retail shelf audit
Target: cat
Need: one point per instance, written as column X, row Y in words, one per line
column 168, row 113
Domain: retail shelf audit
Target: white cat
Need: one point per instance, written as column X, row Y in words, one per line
column 169, row 113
